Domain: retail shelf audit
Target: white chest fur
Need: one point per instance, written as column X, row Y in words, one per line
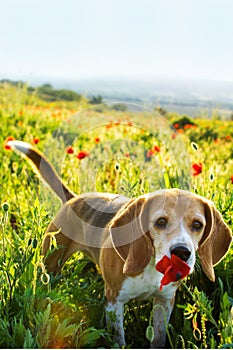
column 145, row 286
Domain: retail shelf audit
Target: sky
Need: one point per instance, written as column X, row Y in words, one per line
column 115, row 39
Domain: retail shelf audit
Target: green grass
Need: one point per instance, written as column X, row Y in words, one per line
column 68, row 311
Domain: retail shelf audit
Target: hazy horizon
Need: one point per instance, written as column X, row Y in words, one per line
column 193, row 97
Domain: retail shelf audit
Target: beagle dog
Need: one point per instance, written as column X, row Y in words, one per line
column 127, row 238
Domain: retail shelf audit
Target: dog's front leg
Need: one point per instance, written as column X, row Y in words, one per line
column 162, row 312
column 114, row 319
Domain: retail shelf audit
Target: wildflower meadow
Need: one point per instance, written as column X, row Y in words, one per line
column 99, row 148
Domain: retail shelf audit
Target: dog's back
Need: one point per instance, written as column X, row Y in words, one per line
column 81, row 224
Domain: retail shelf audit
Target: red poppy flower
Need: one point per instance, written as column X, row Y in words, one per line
column 70, row 150
column 228, row 138
column 6, row 146
column 149, row 153
column 197, row 169
column 97, row 140
column 188, row 126
column 82, row 154
column 176, row 126
column 232, row 179
column 36, row 140
column 156, row 149
column 172, row 268
column 109, row 125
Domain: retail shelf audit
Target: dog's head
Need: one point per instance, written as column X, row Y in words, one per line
column 170, row 222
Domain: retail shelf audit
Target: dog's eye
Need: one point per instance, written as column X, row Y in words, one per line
column 197, row 225
column 161, row 223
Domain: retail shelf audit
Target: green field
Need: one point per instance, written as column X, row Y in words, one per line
column 104, row 149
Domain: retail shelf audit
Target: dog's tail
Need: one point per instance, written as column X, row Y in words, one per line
column 44, row 168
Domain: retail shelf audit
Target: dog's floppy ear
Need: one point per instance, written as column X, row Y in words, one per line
column 215, row 242
column 130, row 242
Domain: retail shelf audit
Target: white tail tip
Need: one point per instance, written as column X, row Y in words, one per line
column 19, row 145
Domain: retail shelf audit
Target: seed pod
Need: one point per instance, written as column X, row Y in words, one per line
column 45, row 278
column 150, row 333
column 211, row 177
column 5, row 206
column 194, row 146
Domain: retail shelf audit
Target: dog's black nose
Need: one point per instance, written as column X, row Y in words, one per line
column 181, row 251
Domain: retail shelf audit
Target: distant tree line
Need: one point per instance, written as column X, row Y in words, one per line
column 12, row 82
column 95, row 100
column 47, row 92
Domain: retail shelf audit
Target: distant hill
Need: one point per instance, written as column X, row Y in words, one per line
column 46, row 91
column 191, row 97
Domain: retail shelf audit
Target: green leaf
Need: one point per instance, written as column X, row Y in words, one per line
column 90, row 336
column 29, row 341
